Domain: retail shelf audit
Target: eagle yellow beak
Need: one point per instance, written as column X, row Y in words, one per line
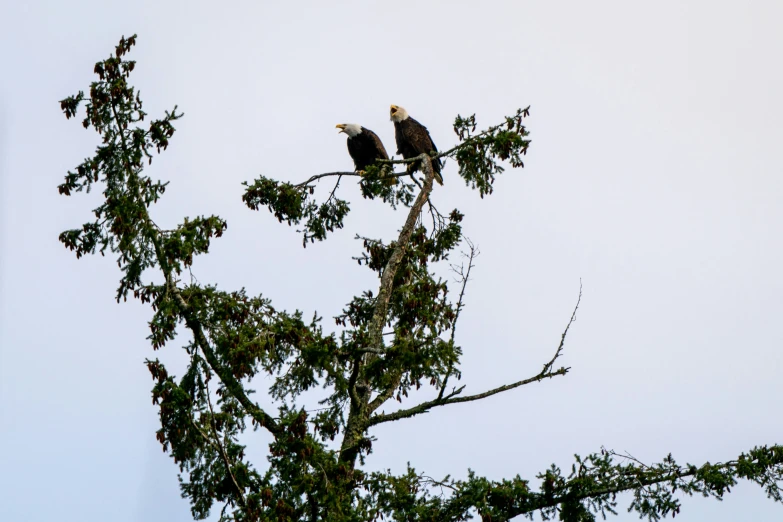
column 340, row 126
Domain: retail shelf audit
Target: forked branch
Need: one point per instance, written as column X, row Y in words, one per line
column 453, row 398
column 357, row 387
column 390, row 270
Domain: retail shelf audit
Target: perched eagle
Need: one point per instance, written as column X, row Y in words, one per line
column 364, row 145
column 413, row 139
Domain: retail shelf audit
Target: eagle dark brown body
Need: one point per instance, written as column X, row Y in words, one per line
column 365, row 148
column 413, row 139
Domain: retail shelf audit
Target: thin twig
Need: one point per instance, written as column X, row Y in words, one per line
column 548, row 366
column 545, row 373
column 324, row 175
column 464, row 278
column 221, row 449
column 218, row 448
column 316, row 177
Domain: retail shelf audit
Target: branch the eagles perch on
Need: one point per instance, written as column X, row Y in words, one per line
column 386, row 344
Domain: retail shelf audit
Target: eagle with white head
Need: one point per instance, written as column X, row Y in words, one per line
column 413, row 139
column 364, row 146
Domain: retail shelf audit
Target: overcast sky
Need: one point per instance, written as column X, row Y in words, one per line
column 654, row 176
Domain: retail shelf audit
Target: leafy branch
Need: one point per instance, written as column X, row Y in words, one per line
column 595, row 481
column 479, row 156
column 124, row 224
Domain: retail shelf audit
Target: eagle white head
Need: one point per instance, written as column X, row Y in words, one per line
column 398, row 114
column 351, row 129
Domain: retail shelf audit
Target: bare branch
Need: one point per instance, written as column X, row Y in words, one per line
column 451, row 399
column 336, row 186
column 324, row 175
column 316, row 177
column 464, row 277
column 545, row 373
column 548, row 366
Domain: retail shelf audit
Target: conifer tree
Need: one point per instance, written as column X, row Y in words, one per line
column 385, row 343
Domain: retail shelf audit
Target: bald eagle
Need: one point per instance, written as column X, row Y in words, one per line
column 413, row 139
column 364, row 146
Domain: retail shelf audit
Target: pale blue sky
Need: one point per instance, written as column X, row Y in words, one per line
column 654, row 175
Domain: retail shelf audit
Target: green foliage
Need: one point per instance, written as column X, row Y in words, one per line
column 293, row 204
column 479, row 158
column 391, row 188
column 122, row 223
column 387, row 342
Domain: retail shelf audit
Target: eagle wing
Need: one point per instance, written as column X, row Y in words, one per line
column 421, row 141
column 378, row 144
column 418, row 136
